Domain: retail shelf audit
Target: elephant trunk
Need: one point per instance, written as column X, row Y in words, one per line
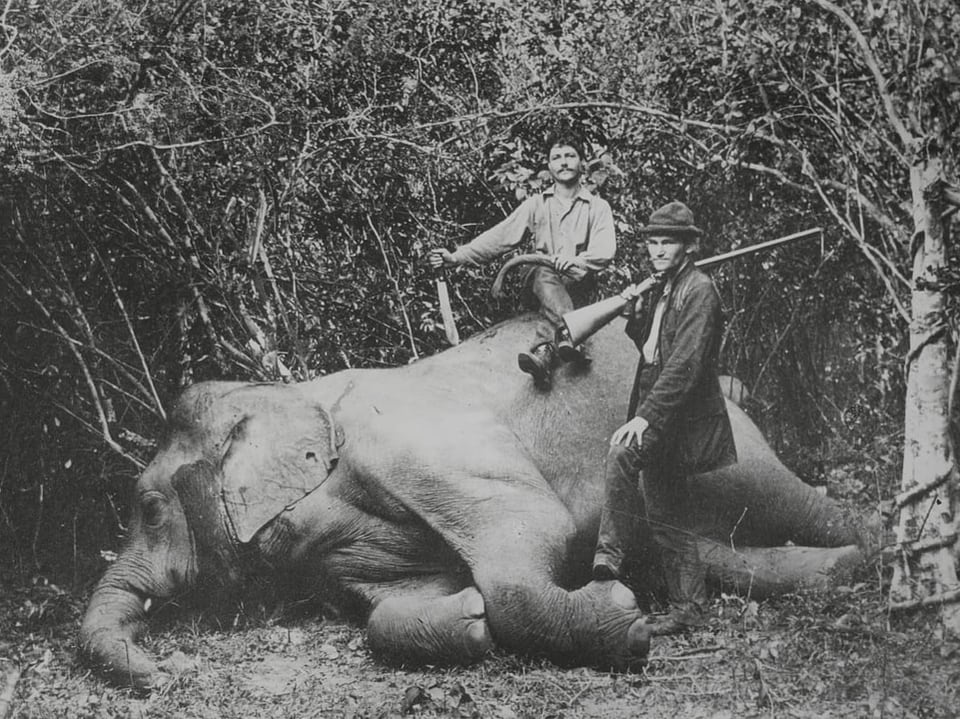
column 114, row 621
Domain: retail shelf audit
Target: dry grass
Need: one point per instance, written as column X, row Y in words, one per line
column 825, row 655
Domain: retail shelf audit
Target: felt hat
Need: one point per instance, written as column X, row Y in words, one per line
column 674, row 218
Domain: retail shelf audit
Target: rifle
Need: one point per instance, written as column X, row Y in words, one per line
column 583, row 322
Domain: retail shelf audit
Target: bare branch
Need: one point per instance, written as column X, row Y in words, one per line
column 91, row 383
column 9, row 29
column 258, row 250
column 117, row 364
column 928, row 601
column 194, row 262
column 175, row 145
column 668, row 117
column 906, row 137
column 175, row 187
column 152, row 393
column 877, row 259
column 396, row 287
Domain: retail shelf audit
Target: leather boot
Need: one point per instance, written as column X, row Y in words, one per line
column 567, row 350
column 538, row 363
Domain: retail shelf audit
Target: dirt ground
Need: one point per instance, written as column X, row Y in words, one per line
column 835, row 654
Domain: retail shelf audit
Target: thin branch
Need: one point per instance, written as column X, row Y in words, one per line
column 13, row 32
column 596, row 104
column 875, row 212
column 906, row 137
column 858, row 238
column 905, row 498
column 258, row 247
column 934, row 334
column 396, row 287
column 193, row 260
column 929, row 601
column 91, row 383
column 157, row 404
column 61, row 75
column 175, row 188
column 120, row 367
column 176, row 145
column 951, row 397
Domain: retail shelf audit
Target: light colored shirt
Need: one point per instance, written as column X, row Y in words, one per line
column 582, row 229
column 651, row 345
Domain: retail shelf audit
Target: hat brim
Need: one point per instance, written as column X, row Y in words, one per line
column 671, row 230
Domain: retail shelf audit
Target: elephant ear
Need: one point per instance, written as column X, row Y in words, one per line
column 272, row 460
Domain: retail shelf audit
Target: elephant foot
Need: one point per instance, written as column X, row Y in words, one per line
column 418, row 629
column 624, row 633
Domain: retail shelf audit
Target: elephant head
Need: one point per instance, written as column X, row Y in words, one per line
column 200, row 504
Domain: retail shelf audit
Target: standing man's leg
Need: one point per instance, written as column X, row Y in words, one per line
column 622, row 512
column 667, row 500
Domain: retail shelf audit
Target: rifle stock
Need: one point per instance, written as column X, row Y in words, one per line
column 583, row 322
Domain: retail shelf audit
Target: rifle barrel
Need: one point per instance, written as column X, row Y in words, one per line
column 750, row 249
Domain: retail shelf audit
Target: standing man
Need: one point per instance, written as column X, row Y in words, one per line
column 678, row 423
column 569, row 224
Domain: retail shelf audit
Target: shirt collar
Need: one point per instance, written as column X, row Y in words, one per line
column 583, row 194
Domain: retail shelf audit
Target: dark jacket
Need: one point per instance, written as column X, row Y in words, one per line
column 680, row 395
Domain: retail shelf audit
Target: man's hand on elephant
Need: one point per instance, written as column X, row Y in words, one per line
column 441, row 258
column 631, row 432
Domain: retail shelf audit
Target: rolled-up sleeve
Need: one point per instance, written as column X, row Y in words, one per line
column 502, row 237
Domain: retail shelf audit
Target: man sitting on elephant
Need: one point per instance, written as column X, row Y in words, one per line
column 569, row 224
column 678, row 422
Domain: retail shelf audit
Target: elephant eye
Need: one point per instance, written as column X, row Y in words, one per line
column 151, row 508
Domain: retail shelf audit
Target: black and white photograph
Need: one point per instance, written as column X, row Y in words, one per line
column 479, row 359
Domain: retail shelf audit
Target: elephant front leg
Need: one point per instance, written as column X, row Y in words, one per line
column 598, row 625
column 501, row 517
column 420, row 628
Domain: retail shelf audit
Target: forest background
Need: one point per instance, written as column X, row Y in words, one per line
column 247, row 190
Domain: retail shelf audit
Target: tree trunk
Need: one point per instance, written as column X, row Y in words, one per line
column 925, row 573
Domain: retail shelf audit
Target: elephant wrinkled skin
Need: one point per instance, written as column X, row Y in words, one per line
column 451, row 499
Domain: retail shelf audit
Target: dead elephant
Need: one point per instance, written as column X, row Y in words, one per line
column 448, row 497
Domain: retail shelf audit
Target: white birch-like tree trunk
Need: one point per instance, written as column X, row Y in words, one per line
column 925, row 573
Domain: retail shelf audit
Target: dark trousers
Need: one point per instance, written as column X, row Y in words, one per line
column 555, row 295
column 650, row 499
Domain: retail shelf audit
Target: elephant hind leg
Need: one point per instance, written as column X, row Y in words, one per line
column 768, row 571
column 420, row 628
